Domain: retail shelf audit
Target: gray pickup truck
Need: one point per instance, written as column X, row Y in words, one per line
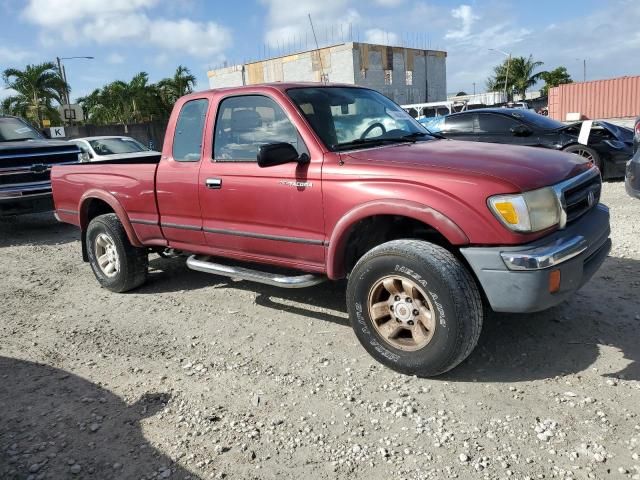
column 26, row 158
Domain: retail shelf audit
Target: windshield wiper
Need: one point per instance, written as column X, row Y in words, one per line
column 434, row 135
column 359, row 142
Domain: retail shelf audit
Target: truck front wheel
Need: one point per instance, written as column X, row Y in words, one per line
column 118, row 265
column 414, row 307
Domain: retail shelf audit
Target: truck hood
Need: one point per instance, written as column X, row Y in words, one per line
column 36, row 144
column 526, row 168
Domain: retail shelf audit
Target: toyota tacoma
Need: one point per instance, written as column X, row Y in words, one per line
column 294, row 184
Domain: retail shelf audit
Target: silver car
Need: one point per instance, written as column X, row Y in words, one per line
column 95, row 149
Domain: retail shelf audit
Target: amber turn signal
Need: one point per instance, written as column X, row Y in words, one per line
column 554, row 281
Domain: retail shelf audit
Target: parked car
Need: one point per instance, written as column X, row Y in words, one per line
column 425, row 230
column 632, row 175
column 429, row 110
column 25, row 164
column 608, row 146
column 98, row 149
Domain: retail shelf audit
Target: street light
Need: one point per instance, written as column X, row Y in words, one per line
column 506, row 77
column 63, row 75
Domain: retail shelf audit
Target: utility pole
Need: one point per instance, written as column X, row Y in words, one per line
column 63, row 75
column 506, row 78
column 474, row 88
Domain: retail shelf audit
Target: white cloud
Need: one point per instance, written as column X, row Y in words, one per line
column 288, row 22
column 195, row 38
column 6, row 92
column 115, row 58
column 13, row 55
column 118, row 21
column 465, row 14
column 58, row 13
column 389, row 3
column 382, row 37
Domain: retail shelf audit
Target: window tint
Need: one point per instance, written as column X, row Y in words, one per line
column 245, row 123
column 459, row 123
column 187, row 141
column 489, row 123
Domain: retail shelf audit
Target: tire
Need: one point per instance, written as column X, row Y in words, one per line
column 106, row 236
column 588, row 153
column 441, row 284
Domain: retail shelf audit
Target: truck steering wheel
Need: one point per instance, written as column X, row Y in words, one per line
column 371, row 127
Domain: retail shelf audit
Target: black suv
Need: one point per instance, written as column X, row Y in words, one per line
column 26, row 158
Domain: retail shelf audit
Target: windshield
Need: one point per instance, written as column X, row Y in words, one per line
column 537, row 120
column 12, row 129
column 345, row 117
column 112, row 146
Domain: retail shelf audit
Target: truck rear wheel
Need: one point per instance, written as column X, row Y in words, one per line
column 414, row 307
column 118, row 265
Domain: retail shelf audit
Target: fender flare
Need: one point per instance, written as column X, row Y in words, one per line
column 405, row 208
column 115, row 205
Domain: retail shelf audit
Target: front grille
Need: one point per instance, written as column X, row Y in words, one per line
column 580, row 197
column 17, row 158
column 21, row 178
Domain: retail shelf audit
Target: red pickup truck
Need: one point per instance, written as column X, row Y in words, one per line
column 308, row 182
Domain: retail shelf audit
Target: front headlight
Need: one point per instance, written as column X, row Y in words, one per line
column 527, row 212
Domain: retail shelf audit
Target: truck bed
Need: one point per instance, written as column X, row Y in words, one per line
column 127, row 185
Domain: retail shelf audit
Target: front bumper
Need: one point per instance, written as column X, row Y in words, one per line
column 517, row 279
column 37, row 203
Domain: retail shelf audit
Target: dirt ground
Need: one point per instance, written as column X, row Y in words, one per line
column 197, row 376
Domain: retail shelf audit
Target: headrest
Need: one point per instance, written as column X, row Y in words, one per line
column 245, row 120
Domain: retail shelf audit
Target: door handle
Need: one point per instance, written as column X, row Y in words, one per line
column 213, row 183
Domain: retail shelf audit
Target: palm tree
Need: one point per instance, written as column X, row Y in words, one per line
column 36, row 87
column 521, row 76
column 123, row 102
column 182, row 83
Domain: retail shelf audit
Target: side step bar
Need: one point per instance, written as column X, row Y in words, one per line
column 202, row 264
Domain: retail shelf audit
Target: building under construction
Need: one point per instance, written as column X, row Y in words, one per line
column 405, row 75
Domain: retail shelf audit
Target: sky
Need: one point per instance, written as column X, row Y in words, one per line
column 155, row 36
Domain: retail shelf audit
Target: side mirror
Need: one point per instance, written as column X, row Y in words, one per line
column 521, row 131
column 273, row 154
column 85, row 156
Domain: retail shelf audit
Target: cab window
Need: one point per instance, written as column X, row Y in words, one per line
column 244, row 123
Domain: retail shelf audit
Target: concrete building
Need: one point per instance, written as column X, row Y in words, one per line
column 405, row 75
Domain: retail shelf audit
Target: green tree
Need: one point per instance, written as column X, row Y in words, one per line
column 37, row 87
column 122, row 102
column 521, row 76
column 182, row 83
column 553, row 78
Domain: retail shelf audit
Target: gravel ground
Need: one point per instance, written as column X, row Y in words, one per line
column 197, row 376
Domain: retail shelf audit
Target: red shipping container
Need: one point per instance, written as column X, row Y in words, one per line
column 611, row 98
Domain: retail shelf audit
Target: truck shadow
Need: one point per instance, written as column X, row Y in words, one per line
column 564, row 340
column 53, row 420
column 36, row 229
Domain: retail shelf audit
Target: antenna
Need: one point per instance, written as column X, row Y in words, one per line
column 322, row 77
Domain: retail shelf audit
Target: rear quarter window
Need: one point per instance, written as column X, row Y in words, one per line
column 187, row 139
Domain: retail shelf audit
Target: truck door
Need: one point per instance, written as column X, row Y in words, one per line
column 177, row 178
column 273, row 213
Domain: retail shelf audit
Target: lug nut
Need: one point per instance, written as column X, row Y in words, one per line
column 416, row 313
column 397, row 298
column 410, row 322
column 409, row 299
